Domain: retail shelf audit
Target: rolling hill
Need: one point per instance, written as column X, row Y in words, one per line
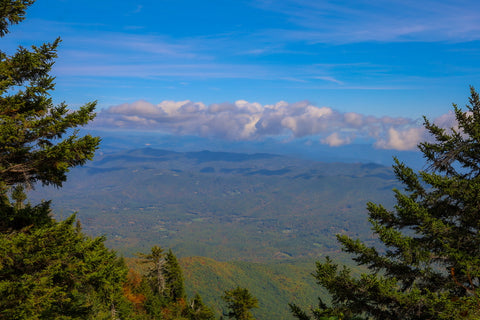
column 224, row 206
column 254, row 220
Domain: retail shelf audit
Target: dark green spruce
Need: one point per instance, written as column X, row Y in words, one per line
column 34, row 143
column 48, row 269
column 163, row 289
column 239, row 303
column 428, row 266
column 56, row 272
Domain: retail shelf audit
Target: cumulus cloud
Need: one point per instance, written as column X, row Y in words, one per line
column 401, row 140
column 243, row 120
column 448, row 120
column 335, row 140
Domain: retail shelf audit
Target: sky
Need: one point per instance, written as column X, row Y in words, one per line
column 330, row 72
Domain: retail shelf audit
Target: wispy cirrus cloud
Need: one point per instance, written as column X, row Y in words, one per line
column 92, row 51
column 384, row 20
column 328, row 79
column 200, row 70
column 138, row 46
column 247, row 121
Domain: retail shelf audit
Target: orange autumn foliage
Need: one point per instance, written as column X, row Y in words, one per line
column 131, row 289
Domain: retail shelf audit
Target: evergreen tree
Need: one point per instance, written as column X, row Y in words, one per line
column 429, row 264
column 12, row 12
column 32, row 143
column 56, row 272
column 155, row 275
column 153, row 282
column 239, row 302
column 175, row 289
column 48, row 269
column 198, row 310
column 163, row 290
column 14, row 217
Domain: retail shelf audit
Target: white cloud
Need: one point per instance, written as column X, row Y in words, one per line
column 243, row 120
column 140, row 107
column 401, row 140
column 334, row 140
column 447, row 120
column 353, row 119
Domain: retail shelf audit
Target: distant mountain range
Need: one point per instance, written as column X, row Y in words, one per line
column 307, row 148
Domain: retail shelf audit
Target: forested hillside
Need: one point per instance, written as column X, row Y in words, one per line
column 275, row 284
column 256, row 207
column 277, row 214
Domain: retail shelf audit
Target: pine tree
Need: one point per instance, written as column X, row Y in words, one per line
column 32, row 129
column 155, row 274
column 239, row 302
column 163, row 289
column 56, row 272
column 197, row 310
column 33, row 146
column 175, row 289
column 12, row 12
column 429, row 264
column 48, row 269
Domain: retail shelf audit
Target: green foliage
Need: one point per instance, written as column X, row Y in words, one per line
column 277, row 283
column 164, row 274
column 57, row 272
column 239, row 302
column 140, row 197
column 14, row 217
column 237, row 212
column 198, row 310
column 175, row 289
column 32, row 147
column 429, row 267
column 48, row 269
column 155, row 274
column 161, row 293
column 12, row 12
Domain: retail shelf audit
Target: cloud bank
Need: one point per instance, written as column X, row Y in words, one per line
column 247, row 121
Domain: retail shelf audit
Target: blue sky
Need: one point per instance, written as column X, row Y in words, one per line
column 335, row 71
